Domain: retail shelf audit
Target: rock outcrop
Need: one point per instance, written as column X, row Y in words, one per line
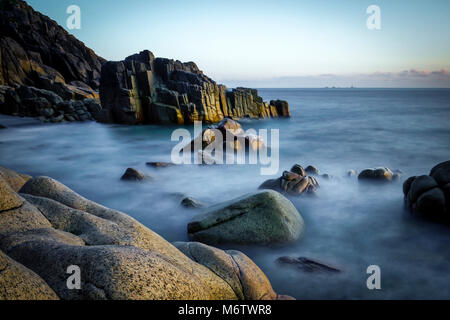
column 47, row 228
column 294, row 182
column 145, row 89
column 37, row 52
column 44, row 71
column 265, row 217
column 429, row 196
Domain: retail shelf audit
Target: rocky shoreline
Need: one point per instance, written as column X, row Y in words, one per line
column 45, row 227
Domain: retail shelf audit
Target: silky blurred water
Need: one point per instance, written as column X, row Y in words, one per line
column 350, row 226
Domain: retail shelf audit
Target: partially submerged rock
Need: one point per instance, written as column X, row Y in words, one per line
column 261, row 218
column 307, row 265
column 294, row 182
column 191, row 203
column 132, row 174
column 378, row 174
column 160, row 164
column 429, row 196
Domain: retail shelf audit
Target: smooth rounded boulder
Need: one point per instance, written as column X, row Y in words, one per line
column 264, row 217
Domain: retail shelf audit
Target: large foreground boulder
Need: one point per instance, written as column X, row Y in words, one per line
column 145, row 89
column 49, row 229
column 264, row 217
column 429, row 196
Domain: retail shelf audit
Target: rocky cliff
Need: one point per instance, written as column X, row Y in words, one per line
column 145, row 89
column 47, row 73
column 36, row 51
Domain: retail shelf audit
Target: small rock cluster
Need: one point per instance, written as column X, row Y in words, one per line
column 294, row 182
column 429, row 196
column 45, row 105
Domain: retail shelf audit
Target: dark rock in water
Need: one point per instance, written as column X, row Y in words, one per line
column 145, row 89
column 133, row 175
column 294, row 182
column 160, row 164
column 326, row 176
column 429, row 196
column 441, row 173
column 282, row 108
column 312, row 170
column 2, row 126
column 191, row 203
column 307, row 265
column 378, row 174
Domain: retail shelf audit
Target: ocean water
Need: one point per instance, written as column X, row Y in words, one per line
column 348, row 225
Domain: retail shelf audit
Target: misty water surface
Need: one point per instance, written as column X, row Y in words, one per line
column 348, row 225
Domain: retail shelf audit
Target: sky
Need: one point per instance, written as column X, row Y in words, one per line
column 275, row 43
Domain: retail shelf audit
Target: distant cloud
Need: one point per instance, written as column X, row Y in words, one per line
column 412, row 78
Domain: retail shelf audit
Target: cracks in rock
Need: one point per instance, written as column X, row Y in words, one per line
column 195, row 260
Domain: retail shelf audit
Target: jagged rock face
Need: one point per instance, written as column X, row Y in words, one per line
column 36, row 52
column 145, row 89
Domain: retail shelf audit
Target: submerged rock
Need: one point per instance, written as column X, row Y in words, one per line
column 133, row 175
column 191, row 203
column 307, row 265
column 294, row 182
column 160, row 164
column 429, row 196
column 260, row 218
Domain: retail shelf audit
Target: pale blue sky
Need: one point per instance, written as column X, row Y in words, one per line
column 255, row 40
